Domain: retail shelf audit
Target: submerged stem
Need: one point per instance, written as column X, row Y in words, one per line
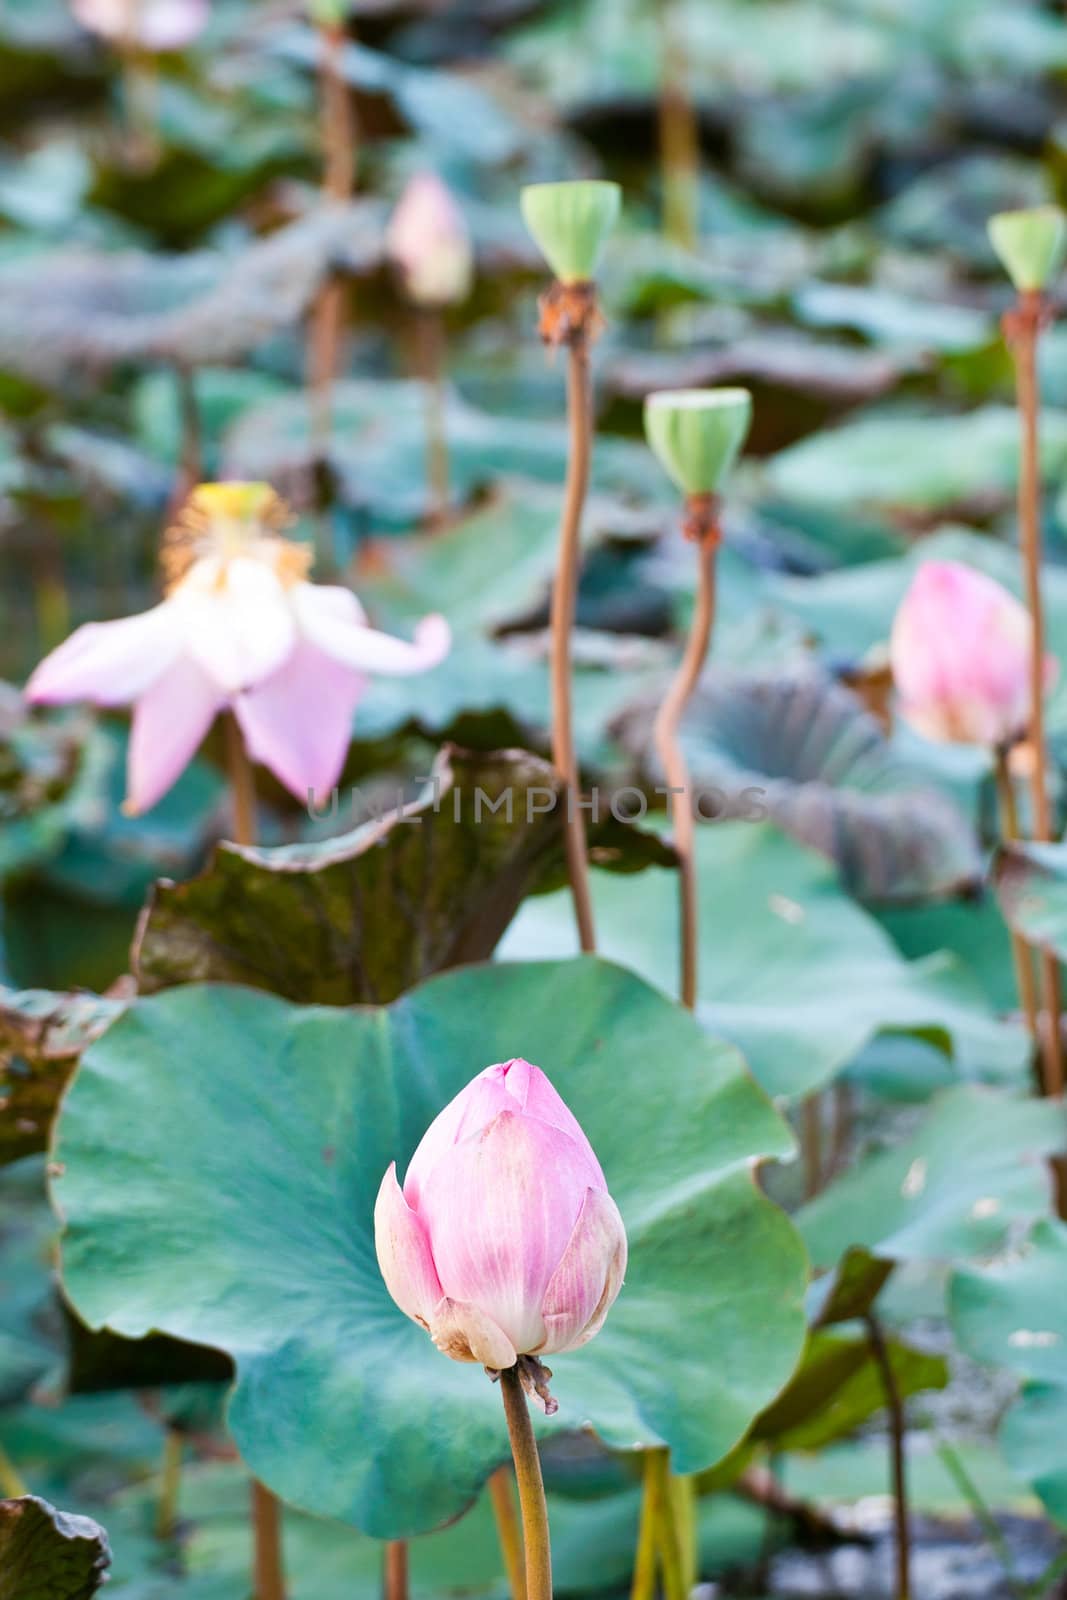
column 268, row 1571
column 665, row 733
column 895, row 1408
column 531, row 1487
column 564, row 597
column 242, row 782
column 1024, row 329
column 509, row 1532
column 679, row 136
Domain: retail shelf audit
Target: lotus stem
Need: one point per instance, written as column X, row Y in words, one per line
column 812, row 1143
column 564, row 599
column 1022, row 955
column 1022, row 329
column 895, row 1408
column 170, row 1486
column 531, row 1487
column 679, row 137
column 191, row 464
column 509, row 1531
column 668, row 746
column 431, row 339
column 268, row 1571
column 339, row 146
column 396, row 1585
column 242, row 782
column 665, row 1526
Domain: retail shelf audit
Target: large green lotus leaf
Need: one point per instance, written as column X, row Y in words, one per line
column 900, row 321
column 1031, row 886
column 27, row 1232
column 1013, row 1314
column 917, row 463
column 253, row 1230
column 791, row 969
column 827, row 775
column 367, row 914
column 49, row 1553
column 971, row 1173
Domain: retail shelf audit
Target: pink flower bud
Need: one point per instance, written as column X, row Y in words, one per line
column 428, row 241
column 149, row 24
column 504, row 1240
column 960, row 653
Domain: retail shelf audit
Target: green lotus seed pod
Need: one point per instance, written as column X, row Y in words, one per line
column 570, row 223
column 1031, row 244
column 329, row 13
column 697, row 433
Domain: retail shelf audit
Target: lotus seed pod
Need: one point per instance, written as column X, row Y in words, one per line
column 1031, row 245
column 570, row 223
column 697, row 433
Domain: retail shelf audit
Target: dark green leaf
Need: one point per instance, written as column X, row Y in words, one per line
column 49, row 1555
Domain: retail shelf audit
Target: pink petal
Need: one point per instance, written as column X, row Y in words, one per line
column 466, row 1333
column 584, row 1286
column 404, row 1253
column 298, row 722
column 109, row 663
column 535, row 1094
column 499, row 1210
column 337, row 629
column 238, row 620
column 476, row 1105
column 169, row 723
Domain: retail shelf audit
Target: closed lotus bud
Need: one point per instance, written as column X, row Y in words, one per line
column 570, row 223
column 428, row 241
column 145, row 24
column 1031, row 245
column 504, row 1241
column 960, row 653
column 697, row 433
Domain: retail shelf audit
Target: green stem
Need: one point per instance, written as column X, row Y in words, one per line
column 531, row 1487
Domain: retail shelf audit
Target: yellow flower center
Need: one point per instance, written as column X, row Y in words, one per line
column 222, row 521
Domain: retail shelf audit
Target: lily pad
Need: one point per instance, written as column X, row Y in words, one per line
column 263, row 1246
column 366, row 915
column 826, row 774
column 917, row 463
column 49, row 1553
column 1013, row 1314
column 971, row 1174
column 791, row 969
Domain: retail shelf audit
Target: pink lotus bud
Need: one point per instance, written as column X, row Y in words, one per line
column 149, row 24
column 960, row 652
column 504, row 1241
column 428, row 241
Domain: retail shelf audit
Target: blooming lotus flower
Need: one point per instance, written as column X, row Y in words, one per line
column 240, row 629
column 960, row 653
column 150, row 24
column 428, row 241
column 504, row 1241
